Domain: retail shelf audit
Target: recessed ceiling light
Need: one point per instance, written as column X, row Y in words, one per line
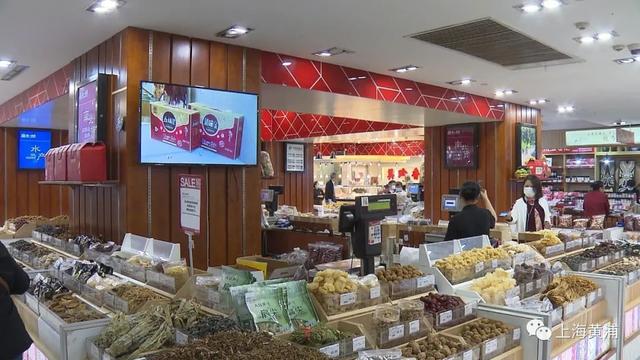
column 408, row 89
column 531, row 8
column 533, row 102
column 463, row 82
column 551, row 4
column 499, row 93
column 565, row 109
column 586, row 39
column 286, row 63
column 604, row 36
column 508, row 92
column 332, row 52
column 234, row 32
column 362, row 77
column 352, row 78
column 627, row 60
column 105, row 6
column 5, row 63
column 404, row 69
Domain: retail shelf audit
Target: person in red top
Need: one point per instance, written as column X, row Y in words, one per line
column 596, row 202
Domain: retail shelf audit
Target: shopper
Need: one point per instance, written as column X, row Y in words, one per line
column 14, row 339
column 531, row 211
column 318, row 194
column 596, row 201
column 472, row 220
column 329, row 189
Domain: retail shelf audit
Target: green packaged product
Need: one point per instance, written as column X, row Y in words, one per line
column 233, row 277
column 244, row 317
column 301, row 311
column 268, row 307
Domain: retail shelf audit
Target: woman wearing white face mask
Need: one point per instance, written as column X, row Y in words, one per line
column 531, row 211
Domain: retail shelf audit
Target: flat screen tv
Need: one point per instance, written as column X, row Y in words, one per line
column 461, row 146
column 32, row 147
column 91, row 106
column 184, row 125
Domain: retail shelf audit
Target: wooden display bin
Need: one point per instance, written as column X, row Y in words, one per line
column 500, row 347
column 314, row 224
column 394, row 335
column 347, row 347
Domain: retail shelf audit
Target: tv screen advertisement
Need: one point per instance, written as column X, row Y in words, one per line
column 91, row 105
column 183, row 125
column 461, row 146
column 32, row 147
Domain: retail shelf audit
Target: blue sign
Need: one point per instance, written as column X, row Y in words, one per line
column 32, row 147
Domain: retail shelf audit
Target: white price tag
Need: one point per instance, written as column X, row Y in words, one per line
column 414, row 327
column 528, row 287
column 425, row 281
column 331, row 351
column 181, row 338
column 599, row 292
column 494, row 263
column 347, row 299
column 406, row 237
column 516, row 334
column 479, row 267
column 468, row 309
column 214, row 296
column 446, row 317
column 592, row 297
column 359, row 343
column 491, row 346
column 468, row 355
column 539, row 284
column 396, row 332
column 583, row 267
column 374, row 293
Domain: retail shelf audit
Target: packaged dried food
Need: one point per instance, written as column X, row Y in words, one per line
column 565, row 221
column 299, row 306
column 71, row 309
column 322, row 253
column 597, row 222
column 468, row 265
column 565, row 289
column 386, row 315
column 580, row 223
column 268, row 307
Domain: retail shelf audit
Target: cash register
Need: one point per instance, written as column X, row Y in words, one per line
column 362, row 221
column 416, row 191
column 270, row 197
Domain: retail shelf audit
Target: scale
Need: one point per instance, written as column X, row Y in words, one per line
column 362, row 221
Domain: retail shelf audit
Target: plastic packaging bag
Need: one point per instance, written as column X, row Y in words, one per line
column 597, row 222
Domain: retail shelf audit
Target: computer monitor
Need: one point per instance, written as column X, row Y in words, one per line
column 451, row 203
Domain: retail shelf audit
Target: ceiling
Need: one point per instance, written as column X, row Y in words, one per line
column 46, row 35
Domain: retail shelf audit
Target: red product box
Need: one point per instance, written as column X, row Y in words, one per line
column 87, row 162
column 50, row 164
column 176, row 126
column 221, row 130
column 60, row 163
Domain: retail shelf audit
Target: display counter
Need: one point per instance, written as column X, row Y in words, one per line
column 280, row 241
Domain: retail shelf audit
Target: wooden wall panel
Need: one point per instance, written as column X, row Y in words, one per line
column 496, row 162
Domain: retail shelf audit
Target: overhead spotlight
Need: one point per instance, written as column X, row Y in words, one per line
column 105, row 6
column 604, row 36
column 538, row 101
column 565, row 109
column 286, row 63
column 409, row 88
column 586, row 39
column 531, row 8
column 463, row 82
column 6, row 63
column 332, row 52
column 627, row 60
column 404, row 69
column 234, row 32
column 551, row 4
column 499, row 93
column 533, row 102
column 508, row 92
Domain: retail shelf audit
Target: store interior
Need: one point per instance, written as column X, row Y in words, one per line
column 240, row 190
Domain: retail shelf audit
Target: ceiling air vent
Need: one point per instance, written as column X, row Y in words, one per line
column 13, row 72
column 497, row 43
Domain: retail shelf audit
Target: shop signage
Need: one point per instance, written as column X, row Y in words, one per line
column 190, row 203
column 294, row 157
column 613, row 136
column 461, row 150
column 579, row 150
column 88, row 113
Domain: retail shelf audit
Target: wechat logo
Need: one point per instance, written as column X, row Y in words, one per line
column 536, row 327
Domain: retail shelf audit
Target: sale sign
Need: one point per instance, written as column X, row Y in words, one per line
column 190, row 203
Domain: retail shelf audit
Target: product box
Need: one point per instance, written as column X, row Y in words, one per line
column 176, row 126
column 60, row 163
column 87, row 162
column 49, row 164
column 221, row 130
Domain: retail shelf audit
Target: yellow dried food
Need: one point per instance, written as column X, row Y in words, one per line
column 398, row 273
column 565, row 289
column 471, row 257
column 332, row 281
column 493, row 286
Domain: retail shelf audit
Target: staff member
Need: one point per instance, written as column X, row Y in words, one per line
column 596, row 201
column 472, row 220
column 531, row 211
column 14, row 339
column 329, row 190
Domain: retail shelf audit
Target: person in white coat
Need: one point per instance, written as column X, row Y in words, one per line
column 531, row 211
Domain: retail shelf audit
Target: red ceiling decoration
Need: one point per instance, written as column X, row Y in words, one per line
column 402, row 148
column 51, row 87
column 285, row 125
column 315, row 75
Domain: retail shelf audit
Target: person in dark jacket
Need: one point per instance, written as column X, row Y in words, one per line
column 318, row 194
column 329, row 190
column 472, row 220
column 596, row 201
column 14, row 339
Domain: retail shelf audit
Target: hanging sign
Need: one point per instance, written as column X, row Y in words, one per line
column 190, row 203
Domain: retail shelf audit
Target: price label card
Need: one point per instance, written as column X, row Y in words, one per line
column 529, row 287
column 538, row 283
column 406, row 237
column 468, row 355
column 331, row 351
column 414, row 327
column 516, row 334
column 446, row 317
column 479, row 267
column 592, row 297
column 374, row 293
column 181, row 338
column 491, row 346
column 396, row 332
column 347, row 299
column 599, row 292
column 583, row 267
column 468, row 309
column 359, row 343
column 494, row 263
column 425, row 281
